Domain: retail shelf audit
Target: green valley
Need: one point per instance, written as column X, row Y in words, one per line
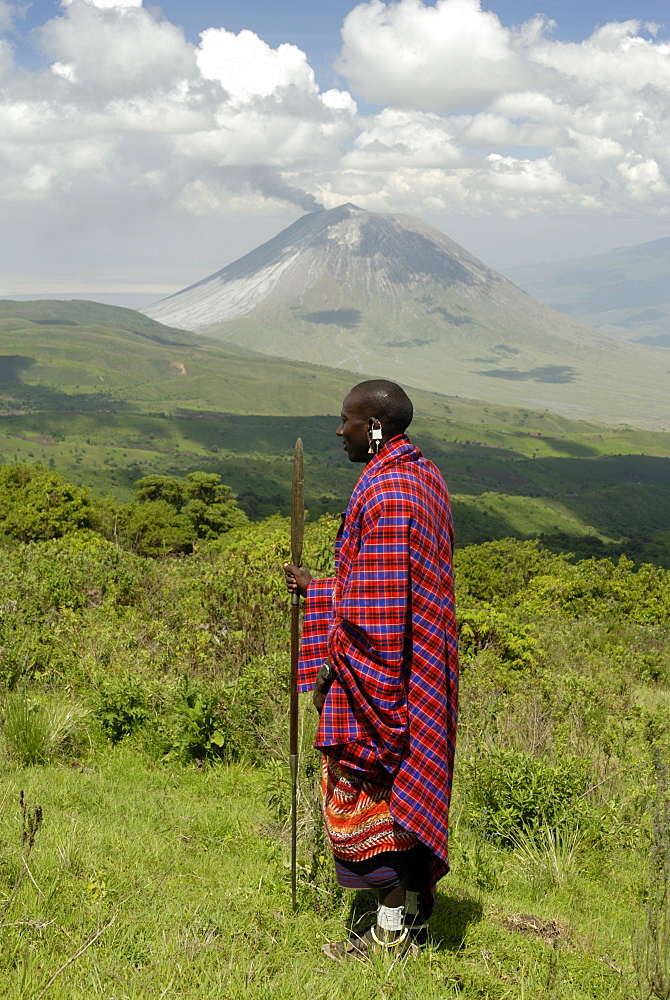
column 106, row 396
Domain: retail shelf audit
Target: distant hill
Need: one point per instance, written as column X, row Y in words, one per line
column 366, row 291
column 81, row 355
column 106, row 396
column 625, row 292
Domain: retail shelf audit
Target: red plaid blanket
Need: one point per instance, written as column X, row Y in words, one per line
column 387, row 622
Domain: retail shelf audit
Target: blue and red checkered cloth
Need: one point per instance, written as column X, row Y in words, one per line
column 387, row 623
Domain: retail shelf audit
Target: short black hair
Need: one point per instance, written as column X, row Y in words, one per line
column 388, row 402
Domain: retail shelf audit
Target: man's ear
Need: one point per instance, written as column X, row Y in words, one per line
column 375, row 435
column 375, row 429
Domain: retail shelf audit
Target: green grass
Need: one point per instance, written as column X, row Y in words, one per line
column 35, row 732
column 152, row 876
column 172, row 882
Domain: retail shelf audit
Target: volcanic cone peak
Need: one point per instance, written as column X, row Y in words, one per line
column 389, row 294
column 361, row 254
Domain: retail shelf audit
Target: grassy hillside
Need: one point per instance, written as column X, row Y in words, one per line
column 495, row 356
column 106, row 395
column 144, row 782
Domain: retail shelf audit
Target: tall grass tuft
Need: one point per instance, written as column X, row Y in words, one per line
column 40, row 733
column 549, row 856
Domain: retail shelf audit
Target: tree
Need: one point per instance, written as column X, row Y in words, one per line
column 155, row 528
column 37, row 504
column 210, row 506
column 169, row 515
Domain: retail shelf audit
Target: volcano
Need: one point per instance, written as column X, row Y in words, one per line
column 390, row 295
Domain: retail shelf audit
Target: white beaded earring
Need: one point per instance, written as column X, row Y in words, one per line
column 374, row 435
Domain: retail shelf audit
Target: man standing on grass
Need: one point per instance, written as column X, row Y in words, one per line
column 379, row 648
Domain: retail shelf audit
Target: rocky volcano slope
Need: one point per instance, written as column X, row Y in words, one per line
column 390, row 295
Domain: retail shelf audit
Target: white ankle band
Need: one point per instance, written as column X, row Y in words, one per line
column 390, row 918
column 411, row 903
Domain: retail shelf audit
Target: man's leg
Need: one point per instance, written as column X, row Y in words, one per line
column 419, row 893
column 388, row 933
column 391, row 914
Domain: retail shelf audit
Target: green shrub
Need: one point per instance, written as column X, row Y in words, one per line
column 502, row 569
column 510, row 792
column 124, row 704
column 199, row 725
column 486, row 628
column 195, row 718
column 603, row 589
column 210, row 722
column 37, row 504
column 78, row 571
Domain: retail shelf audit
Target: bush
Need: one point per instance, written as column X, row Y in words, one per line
column 485, row 628
column 37, row 504
column 124, row 704
column 198, row 727
column 194, row 718
column 603, row 589
column 81, row 570
column 502, row 569
column 510, row 792
column 206, row 722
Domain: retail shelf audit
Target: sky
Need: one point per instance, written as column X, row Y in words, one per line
column 144, row 146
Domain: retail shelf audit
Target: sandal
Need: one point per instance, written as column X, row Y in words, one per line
column 368, row 943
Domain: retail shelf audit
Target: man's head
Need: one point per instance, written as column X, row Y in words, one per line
column 370, row 404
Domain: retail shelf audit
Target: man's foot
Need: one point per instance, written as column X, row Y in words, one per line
column 418, row 929
column 373, row 941
column 415, row 921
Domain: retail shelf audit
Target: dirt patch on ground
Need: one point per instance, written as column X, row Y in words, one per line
column 41, row 439
column 528, row 923
column 179, row 367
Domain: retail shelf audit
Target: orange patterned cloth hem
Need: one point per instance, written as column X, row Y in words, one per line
column 357, row 815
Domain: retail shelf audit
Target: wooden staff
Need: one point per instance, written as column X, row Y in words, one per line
column 297, row 532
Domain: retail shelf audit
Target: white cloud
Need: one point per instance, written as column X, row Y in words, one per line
column 247, row 67
column 65, row 70
column 644, row 179
column 441, row 58
column 490, row 129
column 6, row 59
column 6, row 15
column 116, row 49
column 395, row 139
column 589, row 114
column 615, row 55
column 11, row 11
column 527, row 177
column 130, row 122
column 339, row 100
